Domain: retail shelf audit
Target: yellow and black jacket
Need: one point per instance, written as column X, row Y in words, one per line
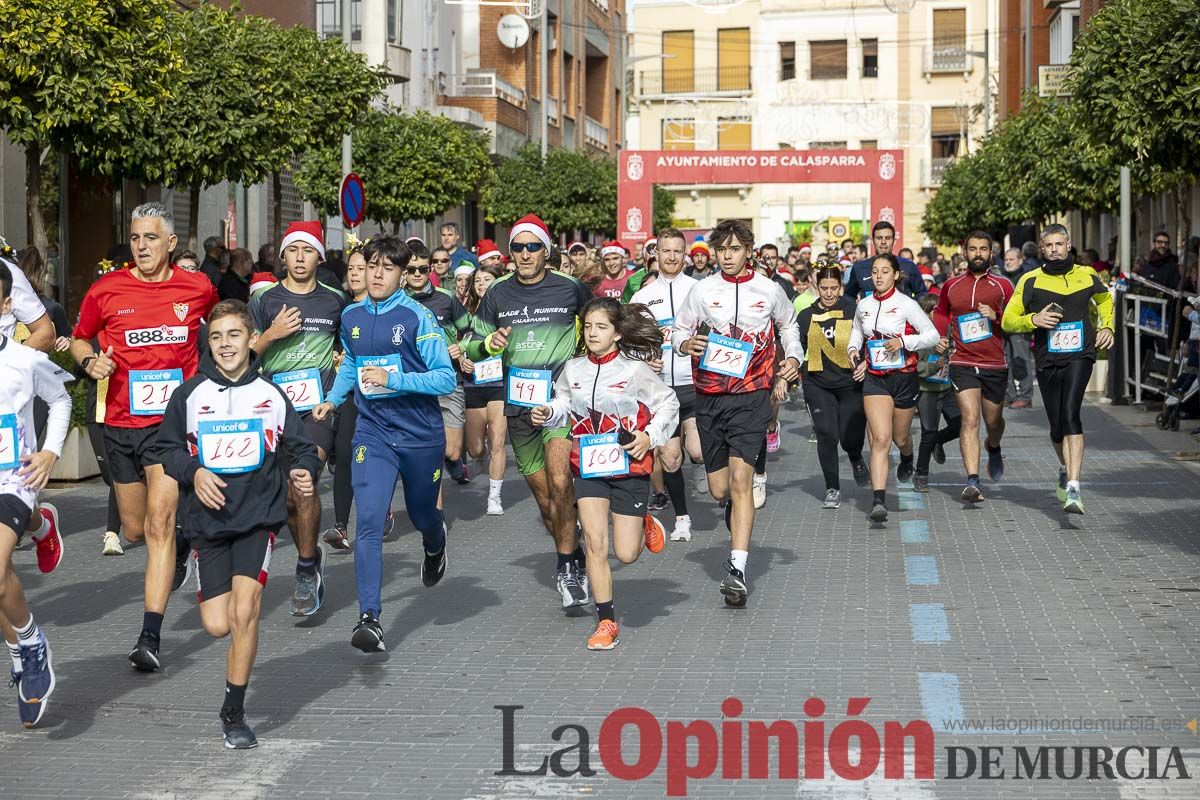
column 1083, row 297
column 826, row 337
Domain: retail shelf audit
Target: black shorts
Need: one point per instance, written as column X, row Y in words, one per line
column 732, row 425
column 480, row 396
column 129, row 452
column 15, row 514
column 323, row 434
column 992, row 383
column 903, row 387
column 626, row 496
column 248, row 555
column 687, row 406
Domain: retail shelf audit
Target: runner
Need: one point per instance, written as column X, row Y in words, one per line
column 935, row 403
column 663, row 297
column 439, row 261
column 1070, row 313
column 702, row 265
column 893, row 328
column 969, row 308
column 577, row 253
column 619, row 410
column 486, row 427
column 833, row 396
column 532, row 318
column 397, row 365
column 860, row 277
column 612, row 256
column 462, row 281
column 769, row 254
column 220, row 438
column 25, row 373
column 297, row 323
column 146, row 320
column 728, row 326
column 454, row 321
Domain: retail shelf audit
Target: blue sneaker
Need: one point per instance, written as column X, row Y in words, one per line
column 36, row 680
column 972, row 493
column 310, row 589
column 236, row 733
column 995, row 464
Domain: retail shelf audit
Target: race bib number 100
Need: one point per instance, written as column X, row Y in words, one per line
column 727, row 356
column 302, row 387
column 529, row 387
column 601, row 456
column 230, row 446
column 10, row 456
column 150, row 389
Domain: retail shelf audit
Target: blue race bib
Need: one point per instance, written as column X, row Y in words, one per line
column 601, row 456
column 302, row 387
column 727, row 356
column 231, row 446
column 529, row 387
column 150, row 389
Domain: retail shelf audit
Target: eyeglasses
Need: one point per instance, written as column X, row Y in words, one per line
column 526, row 247
column 1162, row 241
column 412, row 270
column 441, row 261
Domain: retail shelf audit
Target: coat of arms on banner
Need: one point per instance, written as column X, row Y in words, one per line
column 181, row 310
column 633, row 220
column 633, row 167
column 887, row 166
column 887, row 214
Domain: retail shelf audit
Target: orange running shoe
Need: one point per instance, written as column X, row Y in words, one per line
column 605, row 637
column 656, row 534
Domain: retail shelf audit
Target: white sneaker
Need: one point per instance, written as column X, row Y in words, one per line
column 699, row 479
column 760, row 491
column 494, row 508
column 683, row 529
column 112, row 544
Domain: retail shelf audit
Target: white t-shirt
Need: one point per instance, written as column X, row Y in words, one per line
column 25, row 304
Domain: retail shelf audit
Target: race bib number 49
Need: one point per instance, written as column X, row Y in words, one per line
column 230, row 446
column 10, row 456
column 150, row 389
column 302, row 387
column 529, row 387
column 727, row 356
column 148, row 337
column 601, row 456
column 1067, row 337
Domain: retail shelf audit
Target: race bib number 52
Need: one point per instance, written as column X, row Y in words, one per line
column 148, row 337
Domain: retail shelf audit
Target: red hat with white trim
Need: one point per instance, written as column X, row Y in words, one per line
column 573, row 246
column 612, row 248
column 485, row 249
column 262, row 280
column 308, row 232
column 806, row 246
column 531, row 223
column 651, row 242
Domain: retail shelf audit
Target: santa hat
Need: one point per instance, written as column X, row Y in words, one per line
column 926, row 272
column 262, row 280
column 485, row 249
column 612, row 249
column 466, row 268
column 531, row 223
column 806, row 246
column 308, row 232
column 651, row 242
column 700, row 246
column 412, row 239
column 573, row 246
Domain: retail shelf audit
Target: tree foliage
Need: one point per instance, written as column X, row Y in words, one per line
column 413, row 166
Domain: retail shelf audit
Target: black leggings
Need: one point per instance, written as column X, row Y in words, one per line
column 1062, row 395
column 931, row 408
column 96, row 436
column 837, row 417
column 343, row 447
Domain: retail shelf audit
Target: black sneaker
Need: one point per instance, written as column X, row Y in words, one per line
column 939, row 453
column 995, row 465
column 658, row 501
column 338, row 538
column 879, row 513
column 862, row 475
column 144, row 656
column 570, row 587
column 734, row 587
column 433, row 567
column 238, row 735
column 920, row 482
column 904, row 471
column 368, row 634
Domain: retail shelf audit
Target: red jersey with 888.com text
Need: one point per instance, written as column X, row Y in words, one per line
column 154, row 329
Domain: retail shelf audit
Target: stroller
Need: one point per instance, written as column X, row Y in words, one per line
column 1168, row 418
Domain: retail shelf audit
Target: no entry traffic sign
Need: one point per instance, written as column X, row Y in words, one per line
column 352, row 200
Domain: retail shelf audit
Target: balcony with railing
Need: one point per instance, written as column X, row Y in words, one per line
column 937, row 168
column 721, row 81
column 552, row 109
column 483, row 83
column 946, row 58
column 595, row 133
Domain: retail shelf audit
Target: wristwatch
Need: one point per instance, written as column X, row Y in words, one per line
column 87, row 360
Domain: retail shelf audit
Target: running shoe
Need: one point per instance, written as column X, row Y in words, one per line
column 30, row 713
column 112, row 544
column 50, row 546
column 760, row 491
column 389, row 524
column 433, row 567
column 879, row 513
column 237, row 734
column 904, row 470
column 733, row 586
column 972, row 492
column 683, row 529
column 995, row 465
column 773, row 441
column 1074, row 502
column 606, row 636
column 699, row 479
column 920, row 482
column 37, row 679
column 654, row 533
column 458, row 471
column 1021, row 403
column 939, row 453
column 862, row 474
column 569, row 586
column 184, row 563
column 494, row 507
column 812, row 438
column 658, row 501
column 310, row 589
column 338, row 538
column 368, row 634
column 833, row 499
column 1061, row 489
column 144, row 656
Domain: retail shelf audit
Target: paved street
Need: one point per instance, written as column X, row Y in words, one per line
column 1007, row 612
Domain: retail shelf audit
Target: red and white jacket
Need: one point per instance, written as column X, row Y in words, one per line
column 614, row 393
column 889, row 316
column 958, row 311
column 749, row 308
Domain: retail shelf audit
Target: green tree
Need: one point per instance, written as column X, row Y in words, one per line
column 413, row 166
column 75, row 72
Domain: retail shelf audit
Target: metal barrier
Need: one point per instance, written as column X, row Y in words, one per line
column 1149, row 318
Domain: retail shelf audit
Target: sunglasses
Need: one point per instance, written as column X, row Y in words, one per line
column 441, row 261
column 526, row 247
column 412, row 270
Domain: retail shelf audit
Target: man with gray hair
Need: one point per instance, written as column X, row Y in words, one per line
column 1016, row 345
column 146, row 320
column 451, row 234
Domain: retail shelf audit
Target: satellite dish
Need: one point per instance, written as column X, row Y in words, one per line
column 513, row 31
